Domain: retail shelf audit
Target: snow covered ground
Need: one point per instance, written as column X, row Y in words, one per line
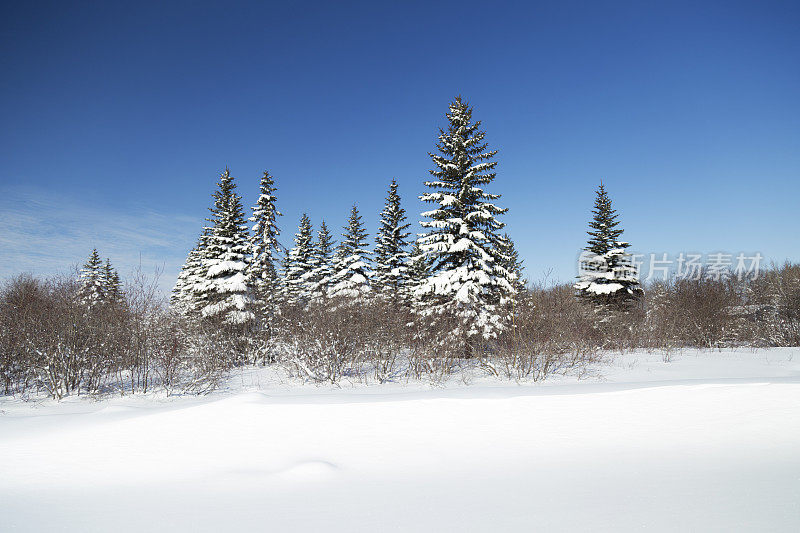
column 707, row 442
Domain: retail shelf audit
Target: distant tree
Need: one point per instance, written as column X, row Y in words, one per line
column 509, row 259
column 351, row 277
column 418, row 270
column 466, row 280
column 323, row 263
column 300, row 264
column 226, row 291
column 607, row 274
column 187, row 294
column 91, row 291
column 112, row 285
column 391, row 257
column 264, row 246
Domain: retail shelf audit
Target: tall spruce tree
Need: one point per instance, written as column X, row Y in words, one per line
column 300, row 264
column 391, row 257
column 351, row 271
column 264, row 245
column 226, row 290
column 607, row 274
column 323, row 263
column 466, row 279
column 91, row 286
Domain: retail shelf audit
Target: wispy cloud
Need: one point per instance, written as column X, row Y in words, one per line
column 44, row 234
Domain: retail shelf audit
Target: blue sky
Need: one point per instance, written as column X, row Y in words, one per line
column 116, row 119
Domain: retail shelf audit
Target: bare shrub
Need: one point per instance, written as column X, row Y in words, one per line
column 51, row 342
column 326, row 341
column 551, row 332
column 433, row 352
column 22, row 300
column 774, row 300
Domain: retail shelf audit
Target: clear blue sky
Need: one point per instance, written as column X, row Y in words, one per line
column 116, row 118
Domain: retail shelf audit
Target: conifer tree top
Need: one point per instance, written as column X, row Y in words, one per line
column 264, row 212
column 227, row 212
column 93, row 264
column 354, row 238
column 325, row 242
column 604, row 234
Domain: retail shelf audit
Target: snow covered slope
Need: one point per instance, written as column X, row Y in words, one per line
column 707, row 442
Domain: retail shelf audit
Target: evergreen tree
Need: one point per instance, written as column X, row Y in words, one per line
column 187, row 293
column 351, row 271
column 509, row 259
column 323, row 263
column 264, row 244
column 285, row 267
column 91, row 291
column 466, row 280
column 225, row 291
column 391, row 269
column 607, row 275
column 605, row 234
column 300, row 264
column 179, row 299
column 112, row 285
column 418, row 270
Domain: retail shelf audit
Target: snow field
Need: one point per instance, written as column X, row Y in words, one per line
column 679, row 446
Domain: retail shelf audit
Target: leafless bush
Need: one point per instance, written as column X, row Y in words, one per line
column 21, row 302
column 705, row 306
column 52, row 342
column 433, row 352
column 551, row 332
column 326, row 341
column 774, row 305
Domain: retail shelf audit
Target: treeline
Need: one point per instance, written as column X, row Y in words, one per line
column 51, row 342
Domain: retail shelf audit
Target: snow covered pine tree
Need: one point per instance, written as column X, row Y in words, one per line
column 225, row 291
column 323, row 264
column 264, row 246
column 300, row 265
column 99, row 283
column 112, row 286
column 391, row 257
column 607, row 275
column 91, row 290
column 509, row 258
column 418, row 270
column 187, row 295
column 467, row 280
column 351, row 271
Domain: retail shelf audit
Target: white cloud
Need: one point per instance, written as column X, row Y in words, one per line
column 44, row 233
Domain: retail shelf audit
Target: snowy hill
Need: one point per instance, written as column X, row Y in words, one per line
column 707, row 442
